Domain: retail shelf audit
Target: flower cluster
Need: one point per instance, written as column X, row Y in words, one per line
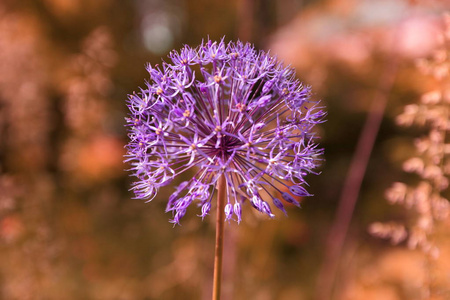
column 223, row 110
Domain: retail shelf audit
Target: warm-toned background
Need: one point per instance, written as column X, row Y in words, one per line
column 68, row 226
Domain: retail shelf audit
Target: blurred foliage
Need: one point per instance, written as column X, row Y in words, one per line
column 68, row 226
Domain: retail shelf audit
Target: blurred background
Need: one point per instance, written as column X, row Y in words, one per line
column 69, row 228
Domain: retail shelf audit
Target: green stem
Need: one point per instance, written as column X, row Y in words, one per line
column 220, row 224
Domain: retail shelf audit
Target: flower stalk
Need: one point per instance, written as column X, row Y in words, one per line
column 220, row 224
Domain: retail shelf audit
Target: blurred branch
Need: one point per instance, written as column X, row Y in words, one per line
column 352, row 185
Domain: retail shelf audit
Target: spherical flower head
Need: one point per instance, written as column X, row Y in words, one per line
column 223, row 110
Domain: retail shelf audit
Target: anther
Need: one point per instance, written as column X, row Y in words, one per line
column 240, row 106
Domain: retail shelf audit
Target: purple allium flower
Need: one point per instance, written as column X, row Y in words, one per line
column 223, row 109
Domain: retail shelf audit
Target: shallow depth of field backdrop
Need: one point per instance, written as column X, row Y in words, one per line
column 68, row 226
